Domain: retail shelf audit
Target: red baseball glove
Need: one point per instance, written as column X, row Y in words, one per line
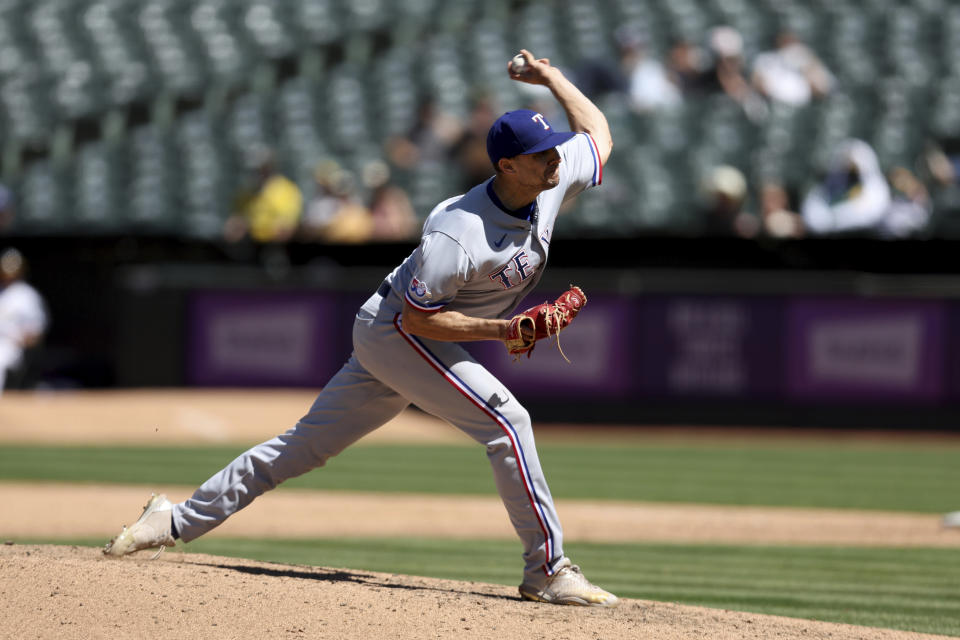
column 543, row 321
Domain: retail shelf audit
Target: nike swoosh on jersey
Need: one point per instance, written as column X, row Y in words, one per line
column 500, row 241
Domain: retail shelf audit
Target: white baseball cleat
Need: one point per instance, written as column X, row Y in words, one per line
column 952, row 519
column 569, row 586
column 152, row 530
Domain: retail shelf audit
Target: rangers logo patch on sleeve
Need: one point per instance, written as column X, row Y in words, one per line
column 418, row 288
column 419, row 295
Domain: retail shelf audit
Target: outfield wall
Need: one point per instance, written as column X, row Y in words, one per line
column 647, row 354
column 682, row 348
column 656, row 343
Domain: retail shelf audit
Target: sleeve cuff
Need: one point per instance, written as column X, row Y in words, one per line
column 597, row 167
column 419, row 306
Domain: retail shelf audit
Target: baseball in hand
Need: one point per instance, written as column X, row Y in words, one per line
column 518, row 64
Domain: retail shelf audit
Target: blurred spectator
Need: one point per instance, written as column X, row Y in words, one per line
column 940, row 167
column 470, row 150
column 390, row 208
column 7, row 213
column 689, row 68
column 724, row 193
column 791, row 73
column 648, row 84
column 728, row 75
column 335, row 213
column 941, row 160
column 23, row 317
column 429, row 140
column 598, row 78
column 269, row 208
column 853, row 196
column 778, row 218
column 322, row 207
column 910, row 205
column 644, row 80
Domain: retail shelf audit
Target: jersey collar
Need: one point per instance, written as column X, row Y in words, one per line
column 527, row 212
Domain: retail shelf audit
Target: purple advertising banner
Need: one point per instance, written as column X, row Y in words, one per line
column 738, row 348
column 263, row 339
column 597, row 344
column 951, row 352
column 710, row 346
column 865, row 349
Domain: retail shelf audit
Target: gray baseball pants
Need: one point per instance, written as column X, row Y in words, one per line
column 388, row 370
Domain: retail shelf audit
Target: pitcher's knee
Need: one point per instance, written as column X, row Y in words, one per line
column 515, row 423
column 517, row 416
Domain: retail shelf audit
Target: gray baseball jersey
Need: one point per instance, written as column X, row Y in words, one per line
column 478, row 259
column 475, row 258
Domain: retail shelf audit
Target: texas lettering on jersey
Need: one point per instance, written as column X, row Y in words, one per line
column 516, row 270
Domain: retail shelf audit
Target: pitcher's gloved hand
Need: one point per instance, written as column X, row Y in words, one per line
column 543, row 321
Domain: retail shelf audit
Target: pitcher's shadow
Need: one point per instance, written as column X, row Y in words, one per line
column 320, row 574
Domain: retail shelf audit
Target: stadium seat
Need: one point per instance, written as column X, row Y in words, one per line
column 444, row 69
column 207, row 190
column 269, row 29
column 367, row 15
column 17, row 54
column 393, row 92
column 452, row 16
column 346, row 107
column 944, row 115
column 26, row 114
column 317, row 21
column 172, row 54
column 656, row 193
column 99, row 172
column 249, row 124
column 489, row 48
column 44, row 194
column 226, row 51
column 296, row 118
column 537, row 22
column 582, row 35
column 152, row 181
column 108, row 27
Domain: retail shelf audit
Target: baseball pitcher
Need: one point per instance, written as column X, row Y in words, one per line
column 480, row 254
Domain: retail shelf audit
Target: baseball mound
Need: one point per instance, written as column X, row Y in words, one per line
column 76, row 593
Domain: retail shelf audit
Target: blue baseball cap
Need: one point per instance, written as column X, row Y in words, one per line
column 521, row 132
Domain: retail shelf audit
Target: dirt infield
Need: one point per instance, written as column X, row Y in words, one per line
column 71, row 511
column 73, row 593
column 165, row 417
column 66, row 592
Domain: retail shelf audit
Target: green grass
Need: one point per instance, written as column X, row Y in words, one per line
column 915, row 478
column 907, row 589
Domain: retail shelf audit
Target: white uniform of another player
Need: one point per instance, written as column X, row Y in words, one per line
column 23, row 319
column 476, row 261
